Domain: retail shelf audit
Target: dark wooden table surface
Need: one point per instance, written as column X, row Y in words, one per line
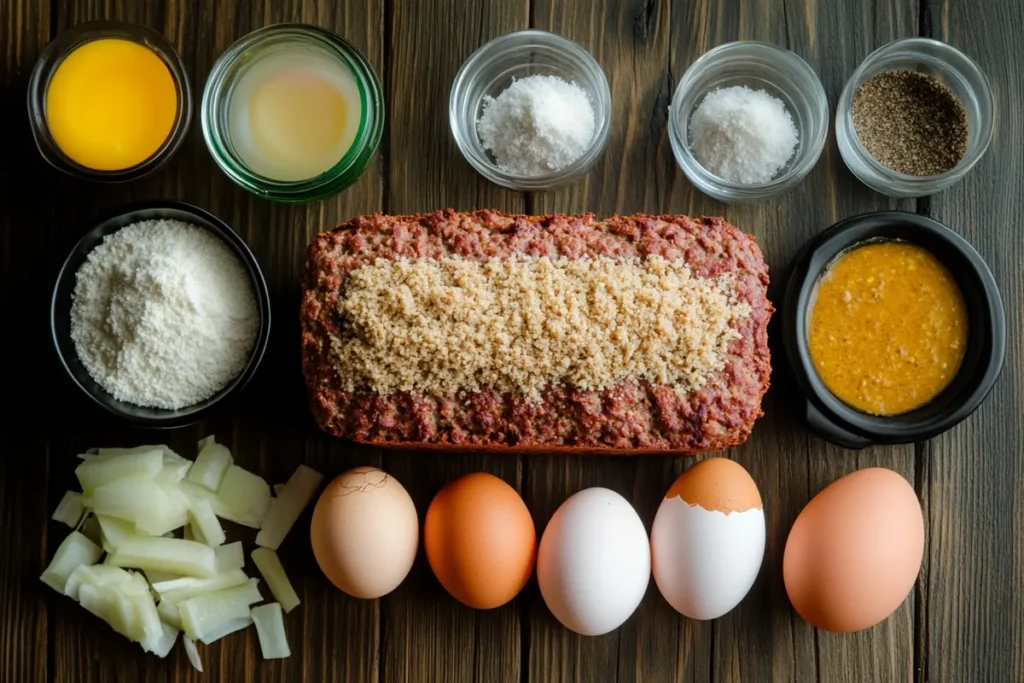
column 963, row 623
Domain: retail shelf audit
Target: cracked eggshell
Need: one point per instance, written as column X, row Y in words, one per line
column 708, row 538
column 365, row 532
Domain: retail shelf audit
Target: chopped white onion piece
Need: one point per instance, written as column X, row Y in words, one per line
column 244, row 493
column 203, row 614
column 96, row 472
column 157, row 576
column 201, row 444
column 94, row 575
column 278, row 489
column 186, row 588
column 153, row 508
column 269, row 564
column 146, row 614
column 226, row 628
column 229, row 557
column 174, row 469
column 204, row 524
column 187, row 534
column 114, row 532
column 177, row 555
column 72, row 553
column 90, row 527
column 169, row 613
column 197, row 493
column 102, row 602
column 284, row 510
column 193, row 653
column 162, row 646
column 70, row 509
column 114, row 452
column 270, row 630
column 210, row 466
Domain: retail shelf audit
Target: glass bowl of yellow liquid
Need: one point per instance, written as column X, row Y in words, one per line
column 109, row 101
column 293, row 113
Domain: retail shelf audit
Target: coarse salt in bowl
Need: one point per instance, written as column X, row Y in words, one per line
column 494, row 67
column 759, row 66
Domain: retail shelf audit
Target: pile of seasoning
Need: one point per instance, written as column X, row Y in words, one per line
column 164, row 314
column 742, row 135
column 910, row 122
column 538, row 125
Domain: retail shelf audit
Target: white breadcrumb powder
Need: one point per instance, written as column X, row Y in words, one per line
column 538, row 125
column 523, row 324
column 742, row 135
column 163, row 315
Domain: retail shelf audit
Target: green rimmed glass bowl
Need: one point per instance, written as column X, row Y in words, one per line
column 238, row 59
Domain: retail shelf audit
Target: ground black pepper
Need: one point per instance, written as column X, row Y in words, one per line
column 910, row 122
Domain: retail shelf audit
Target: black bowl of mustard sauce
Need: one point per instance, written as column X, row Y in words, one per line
column 836, row 410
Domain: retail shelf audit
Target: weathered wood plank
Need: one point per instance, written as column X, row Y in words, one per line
column 24, row 242
column 631, row 42
column 789, row 466
column 974, row 474
column 764, row 638
column 427, row 635
column 270, row 431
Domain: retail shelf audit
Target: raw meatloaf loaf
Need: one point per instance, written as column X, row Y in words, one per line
column 486, row 331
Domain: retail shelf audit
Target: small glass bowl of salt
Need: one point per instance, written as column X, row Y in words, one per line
column 531, row 110
column 748, row 121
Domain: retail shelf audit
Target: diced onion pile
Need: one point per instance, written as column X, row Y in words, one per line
column 132, row 505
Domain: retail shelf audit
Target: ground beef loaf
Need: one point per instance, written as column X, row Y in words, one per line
column 633, row 416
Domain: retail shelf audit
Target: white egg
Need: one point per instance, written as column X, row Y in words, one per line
column 594, row 562
column 707, row 541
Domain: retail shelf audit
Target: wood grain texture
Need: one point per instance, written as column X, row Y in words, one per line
column 965, row 620
column 974, row 474
column 24, row 618
column 427, row 635
column 334, row 638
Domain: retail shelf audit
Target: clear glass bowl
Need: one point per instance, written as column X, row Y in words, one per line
column 760, row 66
column 492, row 68
column 217, row 97
column 957, row 72
column 64, row 45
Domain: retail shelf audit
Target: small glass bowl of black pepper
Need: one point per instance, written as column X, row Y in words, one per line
column 914, row 118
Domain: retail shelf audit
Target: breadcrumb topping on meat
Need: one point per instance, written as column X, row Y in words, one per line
column 522, row 324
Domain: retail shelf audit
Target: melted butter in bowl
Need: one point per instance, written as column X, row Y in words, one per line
column 888, row 327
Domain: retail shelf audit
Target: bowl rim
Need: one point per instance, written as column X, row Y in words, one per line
column 829, row 417
column 528, row 183
column 353, row 163
column 54, row 54
column 725, row 190
column 905, row 185
column 109, row 223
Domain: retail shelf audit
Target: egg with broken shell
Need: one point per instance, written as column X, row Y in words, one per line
column 708, row 538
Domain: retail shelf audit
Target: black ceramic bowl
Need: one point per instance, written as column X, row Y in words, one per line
column 837, row 422
column 60, row 314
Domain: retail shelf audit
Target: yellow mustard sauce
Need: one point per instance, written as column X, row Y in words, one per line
column 888, row 328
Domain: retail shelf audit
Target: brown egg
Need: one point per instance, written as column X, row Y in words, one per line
column 365, row 532
column 480, row 540
column 855, row 551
